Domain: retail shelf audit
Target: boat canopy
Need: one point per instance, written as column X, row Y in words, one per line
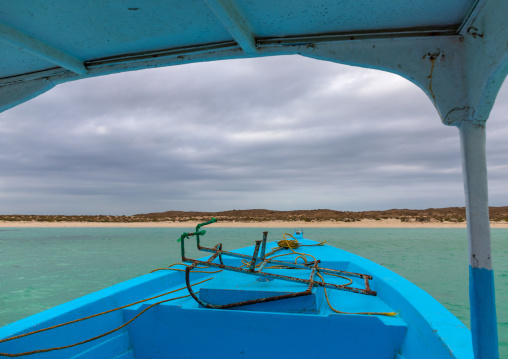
column 456, row 51
column 47, row 43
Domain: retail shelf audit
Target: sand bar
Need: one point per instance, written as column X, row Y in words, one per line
column 366, row 223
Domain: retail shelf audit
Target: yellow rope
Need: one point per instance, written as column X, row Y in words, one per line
column 92, row 316
column 183, row 270
column 388, row 314
column 293, row 243
column 90, row 339
column 290, row 245
column 274, row 250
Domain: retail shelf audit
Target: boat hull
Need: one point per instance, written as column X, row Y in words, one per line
column 297, row 327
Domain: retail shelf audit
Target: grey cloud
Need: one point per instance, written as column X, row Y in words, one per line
column 281, row 133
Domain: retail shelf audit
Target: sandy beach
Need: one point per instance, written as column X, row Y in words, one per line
column 366, row 223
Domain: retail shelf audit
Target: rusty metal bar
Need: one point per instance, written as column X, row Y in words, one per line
column 260, row 269
column 210, row 260
column 247, row 302
column 219, row 247
column 254, row 260
column 288, row 264
column 367, row 285
column 239, row 304
column 263, row 246
column 288, row 278
column 312, row 273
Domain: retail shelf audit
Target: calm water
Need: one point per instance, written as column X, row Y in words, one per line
column 43, row 267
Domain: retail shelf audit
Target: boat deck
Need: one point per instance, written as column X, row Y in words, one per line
column 182, row 328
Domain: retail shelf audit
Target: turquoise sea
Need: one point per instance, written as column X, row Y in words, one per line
column 44, row 267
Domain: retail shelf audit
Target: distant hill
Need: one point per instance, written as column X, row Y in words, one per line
column 450, row 214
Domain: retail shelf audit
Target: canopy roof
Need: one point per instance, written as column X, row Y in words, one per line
column 62, row 40
column 91, row 31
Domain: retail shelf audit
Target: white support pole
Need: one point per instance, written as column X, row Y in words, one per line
column 481, row 276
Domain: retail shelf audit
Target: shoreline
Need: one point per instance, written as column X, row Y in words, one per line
column 366, row 223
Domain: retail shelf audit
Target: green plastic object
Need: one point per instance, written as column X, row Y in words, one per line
column 198, row 232
column 187, row 235
column 183, row 236
column 213, row 220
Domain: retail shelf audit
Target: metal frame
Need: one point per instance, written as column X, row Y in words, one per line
column 261, row 259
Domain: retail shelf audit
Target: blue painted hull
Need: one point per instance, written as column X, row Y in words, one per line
column 297, row 327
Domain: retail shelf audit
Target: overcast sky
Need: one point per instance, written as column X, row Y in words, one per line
column 279, row 133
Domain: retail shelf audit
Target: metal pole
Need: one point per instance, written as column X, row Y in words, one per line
column 481, row 276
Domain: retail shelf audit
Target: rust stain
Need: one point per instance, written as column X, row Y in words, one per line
column 473, row 31
column 433, row 61
column 432, row 58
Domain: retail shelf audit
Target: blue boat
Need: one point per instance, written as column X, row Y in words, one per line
column 272, row 300
column 454, row 51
